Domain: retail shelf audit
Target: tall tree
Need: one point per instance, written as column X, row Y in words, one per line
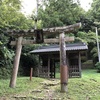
column 94, row 14
column 10, row 18
column 95, row 10
column 59, row 12
column 10, row 15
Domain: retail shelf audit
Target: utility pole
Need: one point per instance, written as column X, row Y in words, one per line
column 97, row 44
column 36, row 18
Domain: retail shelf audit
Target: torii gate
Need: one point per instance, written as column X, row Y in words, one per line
column 47, row 31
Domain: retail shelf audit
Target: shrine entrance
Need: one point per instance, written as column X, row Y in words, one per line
column 39, row 38
column 47, row 68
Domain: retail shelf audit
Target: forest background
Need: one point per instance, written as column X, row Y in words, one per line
column 51, row 13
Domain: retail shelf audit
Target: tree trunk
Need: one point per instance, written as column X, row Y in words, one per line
column 63, row 65
column 16, row 62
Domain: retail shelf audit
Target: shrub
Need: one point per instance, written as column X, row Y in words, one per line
column 6, row 59
column 26, row 62
column 5, row 72
column 97, row 65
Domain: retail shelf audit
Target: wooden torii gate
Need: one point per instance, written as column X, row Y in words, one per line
column 19, row 34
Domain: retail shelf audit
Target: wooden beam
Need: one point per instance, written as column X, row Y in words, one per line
column 63, row 65
column 26, row 42
column 65, row 29
column 46, row 31
column 67, row 39
column 16, row 62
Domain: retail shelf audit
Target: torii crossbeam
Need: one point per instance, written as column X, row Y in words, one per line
column 47, row 31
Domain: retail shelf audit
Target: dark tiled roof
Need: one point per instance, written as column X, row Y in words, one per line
column 54, row 48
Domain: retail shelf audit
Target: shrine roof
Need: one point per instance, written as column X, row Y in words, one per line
column 55, row 48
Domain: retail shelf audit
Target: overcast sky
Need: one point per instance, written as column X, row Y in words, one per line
column 30, row 5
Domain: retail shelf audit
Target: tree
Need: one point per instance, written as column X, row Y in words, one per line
column 89, row 37
column 10, row 15
column 10, row 18
column 59, row 12
column 65, row 12
column 94, row 14
column 95, row 10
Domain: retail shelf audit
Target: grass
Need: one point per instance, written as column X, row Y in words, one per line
column 85, row 88
column 23, row 85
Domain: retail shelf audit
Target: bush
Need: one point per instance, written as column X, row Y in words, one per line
column 27, row 61
column 5, row 72
column 6, row 59
column 97, row 65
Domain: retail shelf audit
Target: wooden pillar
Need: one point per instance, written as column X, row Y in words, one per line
column 63, row 65
column 16, row 62
column 54, row 70
column 48, row 66
column 67, row 59
column 79, row 64
column 31, row 73
column 38, row 70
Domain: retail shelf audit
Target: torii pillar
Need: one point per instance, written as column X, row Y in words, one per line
column 16, row 62
column 63, row 64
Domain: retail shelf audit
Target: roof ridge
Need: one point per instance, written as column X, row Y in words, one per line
column 67, row 44
column 54, row 48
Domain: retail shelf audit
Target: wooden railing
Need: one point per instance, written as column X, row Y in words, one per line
column 43, row 72
column 74, row 71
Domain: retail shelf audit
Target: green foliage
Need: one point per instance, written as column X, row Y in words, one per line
column 97, row 65
column 95, row 10
column 94, row 52
column 87, row 23
column 10, row 15
column 28, row 60
column 59, row 12
column 65, row 12
column 6, row 58
column 10, row 18
column 5, row 54
column 5, row 72
column 89, row 37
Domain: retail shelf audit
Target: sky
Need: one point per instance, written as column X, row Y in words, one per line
column 30, row 5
